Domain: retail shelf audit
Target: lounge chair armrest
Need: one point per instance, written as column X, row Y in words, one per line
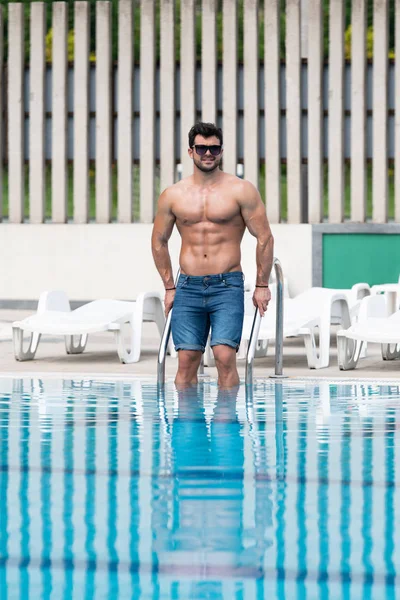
column 303, row 331
column 360, row 290
column 53, row 300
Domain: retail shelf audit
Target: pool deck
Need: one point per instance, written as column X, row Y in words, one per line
column 100, row 357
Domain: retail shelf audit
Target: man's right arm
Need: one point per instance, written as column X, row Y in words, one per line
column 162, row 230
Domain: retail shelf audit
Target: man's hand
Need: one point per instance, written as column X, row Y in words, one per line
column 169, row 300
column 261, row 298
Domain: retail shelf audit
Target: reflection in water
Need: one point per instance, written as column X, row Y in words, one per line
column 278, row 491
column 323, row 515
column 112, row 494
column 5, row 402
column 281, row 485
column 45, row 496
column 68, row 499
column 90, row 468
column 366, row 506
column 301, row 501
column 389, row 507
column 345, row 507
column 23, row 500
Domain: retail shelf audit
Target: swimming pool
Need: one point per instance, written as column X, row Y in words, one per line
column 111, row 490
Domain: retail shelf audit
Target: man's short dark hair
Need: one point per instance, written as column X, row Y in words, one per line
column 206, row 130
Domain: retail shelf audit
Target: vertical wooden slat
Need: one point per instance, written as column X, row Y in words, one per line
column 358, row 130
column 103, row 111
column 304, row 27
column 59, row 184
column 336, row 117
column 251, row 156
column 380, row 106
column 397, row 117
column 209, row 62
column 315, row 123
column 229, row 84
column 293, row 64
column 272, row 65
column 81, row 112
column 125, row 81
column 147, row 126
column 36, row 114
column 16, row 190
column 188, row 88
column 167, row 93
column 1, row 109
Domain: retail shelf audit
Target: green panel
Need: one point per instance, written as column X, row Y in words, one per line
column 349, row 258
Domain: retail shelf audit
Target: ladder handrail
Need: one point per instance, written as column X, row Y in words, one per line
column 278, row 330
column 164, row 344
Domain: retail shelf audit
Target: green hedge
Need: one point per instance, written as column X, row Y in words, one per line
column 114, row 4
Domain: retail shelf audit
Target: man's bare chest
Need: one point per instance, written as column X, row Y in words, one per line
column 208, row 210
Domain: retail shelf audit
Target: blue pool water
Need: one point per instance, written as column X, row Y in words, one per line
column 110, row 490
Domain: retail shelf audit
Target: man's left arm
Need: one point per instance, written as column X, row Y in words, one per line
column 255, row 218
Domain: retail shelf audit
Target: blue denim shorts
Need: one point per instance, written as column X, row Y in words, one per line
column 201, row 302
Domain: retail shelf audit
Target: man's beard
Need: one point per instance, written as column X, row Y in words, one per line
column 206, row 168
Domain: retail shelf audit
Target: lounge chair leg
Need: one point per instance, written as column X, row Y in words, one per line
column 388, row 354
column 349, row 352
column 18, row 339
column 75, row 348
column 318, row 358
column 311, row 348
column 261, row 348
column 128, row 356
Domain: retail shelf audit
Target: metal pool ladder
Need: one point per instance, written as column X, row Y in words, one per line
column 252, row 341
column 278, row 331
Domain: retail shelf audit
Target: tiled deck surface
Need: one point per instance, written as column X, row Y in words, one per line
column 100, row 357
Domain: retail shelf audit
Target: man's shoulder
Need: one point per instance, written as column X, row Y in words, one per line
column 171, row 193
column 174, row 190
column 241, row 188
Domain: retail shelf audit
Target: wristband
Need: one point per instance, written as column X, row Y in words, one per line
column 262, row 286
column 170, row 289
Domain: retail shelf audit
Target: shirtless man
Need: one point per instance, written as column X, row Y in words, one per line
column 211, row 210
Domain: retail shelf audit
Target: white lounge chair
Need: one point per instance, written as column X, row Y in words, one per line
column 313, row 309
column 392, row 294
column 373, row 325
column 54, row 317
column 319, row 304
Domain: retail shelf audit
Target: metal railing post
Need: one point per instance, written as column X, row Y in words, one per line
column 278, row 331
column 163, row 351
column 279, row 321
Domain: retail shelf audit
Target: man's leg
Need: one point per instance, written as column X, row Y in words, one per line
column 226, row 316
column 190, row 325
column 225, row 360
column 188, row 364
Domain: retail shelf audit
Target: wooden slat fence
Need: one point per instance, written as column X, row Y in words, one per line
column 288, row 139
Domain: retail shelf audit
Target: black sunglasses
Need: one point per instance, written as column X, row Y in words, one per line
column 201, row 149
